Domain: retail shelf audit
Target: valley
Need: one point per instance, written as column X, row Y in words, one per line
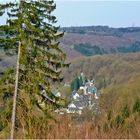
column 117, row 77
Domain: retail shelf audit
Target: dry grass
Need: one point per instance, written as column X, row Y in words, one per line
column 67, row 129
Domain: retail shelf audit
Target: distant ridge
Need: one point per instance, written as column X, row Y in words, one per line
column 100, row 40
column 100, row 29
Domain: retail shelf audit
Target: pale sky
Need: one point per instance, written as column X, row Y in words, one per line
column 90, row 12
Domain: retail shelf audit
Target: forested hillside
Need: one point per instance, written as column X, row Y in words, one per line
column 78, row 41
column 118, row 79
column 106, row 69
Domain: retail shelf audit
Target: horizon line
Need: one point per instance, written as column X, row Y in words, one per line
column 99, row 25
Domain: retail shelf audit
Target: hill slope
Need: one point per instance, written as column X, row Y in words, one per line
column 106, row 39
column 106, row 69
column 118, row 78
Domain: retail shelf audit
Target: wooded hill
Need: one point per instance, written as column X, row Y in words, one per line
column 106, row 69
column 92, row 40
column 117, row 77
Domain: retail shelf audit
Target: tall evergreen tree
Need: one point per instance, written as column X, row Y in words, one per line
column 30, row 31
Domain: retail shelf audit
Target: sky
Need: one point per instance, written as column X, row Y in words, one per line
column 113, row 13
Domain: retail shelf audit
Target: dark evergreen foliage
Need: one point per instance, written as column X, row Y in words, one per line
column 75, row 84
column 132, row 49
column 88, row 49
column 41, row 60
column 136, row 107
column 30, row 26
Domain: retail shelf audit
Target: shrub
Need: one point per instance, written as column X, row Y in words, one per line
column 136, row 107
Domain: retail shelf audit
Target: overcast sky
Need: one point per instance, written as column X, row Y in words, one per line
column 90, row 12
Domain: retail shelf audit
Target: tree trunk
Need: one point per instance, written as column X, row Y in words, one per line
column 13, row 119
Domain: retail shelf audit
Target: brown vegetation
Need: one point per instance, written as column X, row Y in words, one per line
column 118, row 77
column 119, row 104
column 108, row 39
column 106, row 69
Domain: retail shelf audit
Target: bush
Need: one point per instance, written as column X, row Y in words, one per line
column 88, row 49
column 119, row 120
column 125, row 112
column 136, row 107
column 1, row 126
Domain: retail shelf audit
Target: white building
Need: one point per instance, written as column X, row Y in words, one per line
column 72, row 105
column 75, row 95
column 57, row 94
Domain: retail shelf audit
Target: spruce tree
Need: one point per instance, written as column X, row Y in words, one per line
column 30, row 31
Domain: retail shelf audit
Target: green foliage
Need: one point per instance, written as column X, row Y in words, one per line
column 1, row 126
column 81, row 81
column 125, row 112
column 6, row 94
column 121, row 102
column 88, row 49
column 119, row 120
column 101, row 30
column 7, row 84
column 124, row 120
column 136, row 107
column 30, row 27
column 41, row 60
column 133, row 48
column 75, row 84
